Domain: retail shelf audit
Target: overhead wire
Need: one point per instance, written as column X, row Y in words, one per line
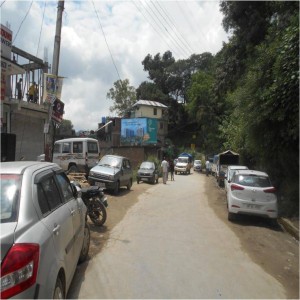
column 2, row 3
column 153, row 27
column 37, row 51
column 106, row 41
column 163, row 26
column 22, row 21
column 164, row 11
column 183, row 46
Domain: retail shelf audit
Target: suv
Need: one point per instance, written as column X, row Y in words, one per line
column 112, row 172
column 44, row 233
column 183, row 165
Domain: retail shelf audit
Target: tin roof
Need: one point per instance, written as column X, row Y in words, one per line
column 150, row 103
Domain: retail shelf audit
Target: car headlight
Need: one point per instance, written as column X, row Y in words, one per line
column 111, row 177
column 92, row 173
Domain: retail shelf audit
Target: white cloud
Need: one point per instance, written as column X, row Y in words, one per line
column 84, row 57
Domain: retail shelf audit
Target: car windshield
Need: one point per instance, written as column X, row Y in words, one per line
column 10, row 194
column 182, row 159
column 111, row 162
column 147, row 165
column 252, row 180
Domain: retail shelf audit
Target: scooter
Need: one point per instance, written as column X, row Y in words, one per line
column 95, row 201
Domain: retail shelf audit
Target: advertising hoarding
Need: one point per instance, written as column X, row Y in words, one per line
column 138, row 131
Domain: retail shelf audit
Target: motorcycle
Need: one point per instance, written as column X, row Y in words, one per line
column 95, row 201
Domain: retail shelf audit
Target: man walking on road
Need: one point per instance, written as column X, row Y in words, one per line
column 165, row 165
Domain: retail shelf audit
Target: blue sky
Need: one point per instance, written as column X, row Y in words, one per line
column 131, row 34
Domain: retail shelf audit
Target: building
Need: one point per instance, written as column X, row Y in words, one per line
column 110, row 131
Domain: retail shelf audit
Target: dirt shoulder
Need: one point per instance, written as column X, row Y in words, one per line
column 268, row 246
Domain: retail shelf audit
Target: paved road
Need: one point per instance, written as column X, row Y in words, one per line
column 172, row 245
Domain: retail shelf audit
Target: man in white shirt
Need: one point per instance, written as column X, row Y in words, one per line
column 165, row 165
column 207, row 167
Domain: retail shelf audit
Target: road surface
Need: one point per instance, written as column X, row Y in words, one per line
column 173, row 243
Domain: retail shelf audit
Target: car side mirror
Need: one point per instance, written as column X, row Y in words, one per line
column 74, row 190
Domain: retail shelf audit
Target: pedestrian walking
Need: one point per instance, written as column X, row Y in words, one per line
column 207, row 167
column 171, row 167
column 165, row 165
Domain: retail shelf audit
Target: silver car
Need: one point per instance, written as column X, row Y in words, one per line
column 44, row 233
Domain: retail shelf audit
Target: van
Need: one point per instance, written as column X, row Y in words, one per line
column 76, row 154
column 183, row 165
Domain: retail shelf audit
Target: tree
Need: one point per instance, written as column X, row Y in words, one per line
column 123, row 95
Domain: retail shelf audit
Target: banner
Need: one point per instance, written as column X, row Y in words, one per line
column 58, row 111
column 138, row 131
column 6, row 42
column 52, row 88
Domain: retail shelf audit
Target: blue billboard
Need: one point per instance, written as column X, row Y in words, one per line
column 138, row 131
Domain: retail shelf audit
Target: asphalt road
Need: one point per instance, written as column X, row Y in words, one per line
column 172, row 244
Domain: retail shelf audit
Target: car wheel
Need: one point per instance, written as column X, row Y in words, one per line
column 117, row 187
column 153, row 179
column 58, row 290
column 273, row 222
column 175, row 172
column 73, row 169
column 157, row 179
column 231, row 216
column 129, row 185
column 137, row 181
column 85, row 243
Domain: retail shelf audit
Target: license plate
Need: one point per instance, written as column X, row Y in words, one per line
column 101, row 184
column 252, row 206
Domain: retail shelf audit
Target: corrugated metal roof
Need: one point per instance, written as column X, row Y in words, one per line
column 150, row 103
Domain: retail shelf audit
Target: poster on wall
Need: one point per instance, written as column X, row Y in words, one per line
column 58, row 111
column 138, row 131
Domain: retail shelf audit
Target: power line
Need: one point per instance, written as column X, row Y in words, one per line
column 162, row 8
column 41, row 29
column 106, row 41
column 153, row 26
column 2, row 3
column 184, row 47
column 163, row 26
column 22, row 21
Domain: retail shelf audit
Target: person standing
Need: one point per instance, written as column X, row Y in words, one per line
column 19, row 88
column 164, row 165
column 171, row 165
column 207, row 167
column 32, row 90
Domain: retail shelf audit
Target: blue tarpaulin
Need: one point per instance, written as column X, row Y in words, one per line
column 186, row 154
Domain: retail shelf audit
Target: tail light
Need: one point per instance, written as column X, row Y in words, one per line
column 86, row 158
column 270, row 190
column 19, row 269
column 236, row 187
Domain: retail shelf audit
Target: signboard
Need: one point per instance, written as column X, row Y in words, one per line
column 6, row 42
column 58, row 110
column 53, row 87
column 3, row 79
column 138, row 131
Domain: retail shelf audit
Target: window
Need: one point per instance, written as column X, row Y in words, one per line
column 65, row 186
column 92, row 147
column 48, row 195
column 77, row 147
column 154, row 111
column 66, row 148
column 127, row 164
column 57, row 148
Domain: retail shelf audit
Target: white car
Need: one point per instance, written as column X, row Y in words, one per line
column 229, row 173
column 251, row 192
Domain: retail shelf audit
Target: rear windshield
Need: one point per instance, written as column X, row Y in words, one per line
column 10, row 195
column 252, row 180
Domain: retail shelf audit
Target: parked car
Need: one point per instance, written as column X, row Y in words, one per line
column 76, row 154
column 229, row 173
column 148, row 171
column 44, row 233
column 251, row 192
column 198, row 165
column 112, row 172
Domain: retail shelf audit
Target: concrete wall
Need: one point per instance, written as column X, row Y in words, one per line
column 147, row 112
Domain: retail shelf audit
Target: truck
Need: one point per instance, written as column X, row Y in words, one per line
column 225, row 159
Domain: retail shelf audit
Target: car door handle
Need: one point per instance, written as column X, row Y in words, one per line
column 56, row 229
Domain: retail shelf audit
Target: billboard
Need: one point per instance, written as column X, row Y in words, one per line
column 53, row 87
column 138, row 131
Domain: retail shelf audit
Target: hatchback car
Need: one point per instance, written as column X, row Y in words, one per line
column 112, row 172
column 251, row 192
column 148, row 171
column 198, row 165
column 229, row 173
column 44, row 233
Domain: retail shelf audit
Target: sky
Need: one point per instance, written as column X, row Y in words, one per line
column 92, row 61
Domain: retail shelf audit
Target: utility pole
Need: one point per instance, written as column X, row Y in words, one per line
column 55, row 64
